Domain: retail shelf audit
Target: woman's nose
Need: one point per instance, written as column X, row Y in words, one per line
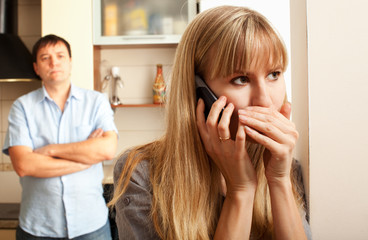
column 261, row 95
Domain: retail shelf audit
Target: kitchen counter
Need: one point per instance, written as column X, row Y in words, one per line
column 9, row 215
column 108, row 173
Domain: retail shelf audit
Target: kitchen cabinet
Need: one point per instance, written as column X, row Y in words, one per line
column 129, row 26
column 130, row 22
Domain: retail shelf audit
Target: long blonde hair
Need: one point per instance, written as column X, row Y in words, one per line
column 187, row 198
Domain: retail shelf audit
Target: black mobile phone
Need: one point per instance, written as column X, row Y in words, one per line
column 204, row 92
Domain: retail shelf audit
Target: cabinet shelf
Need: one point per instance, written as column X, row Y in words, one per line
column 137, row 105
column 127, row 22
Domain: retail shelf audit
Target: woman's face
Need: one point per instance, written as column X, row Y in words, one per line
column 260, row 85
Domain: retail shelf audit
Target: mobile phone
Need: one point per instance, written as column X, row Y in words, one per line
column 204, row 92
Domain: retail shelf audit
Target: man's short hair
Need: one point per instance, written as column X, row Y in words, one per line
column 46, row 40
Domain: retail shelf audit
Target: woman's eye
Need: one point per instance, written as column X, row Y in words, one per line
column 274, row 75
column 240, row 80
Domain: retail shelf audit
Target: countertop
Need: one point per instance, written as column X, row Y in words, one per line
column 9, row 213
column 108, row 173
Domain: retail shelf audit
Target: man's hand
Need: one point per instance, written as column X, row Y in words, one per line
column 96, row 133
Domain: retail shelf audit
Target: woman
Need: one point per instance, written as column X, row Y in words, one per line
column 230, row 175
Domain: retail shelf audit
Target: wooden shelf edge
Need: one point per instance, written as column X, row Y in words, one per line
column 136, row 46
column 136, row 105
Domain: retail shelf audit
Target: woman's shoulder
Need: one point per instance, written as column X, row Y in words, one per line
column 133, row 208
column 140, row 174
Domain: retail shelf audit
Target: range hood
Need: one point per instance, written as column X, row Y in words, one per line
column 15, row 59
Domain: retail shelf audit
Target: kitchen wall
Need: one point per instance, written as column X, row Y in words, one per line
column 330, row 82
column 136, row 125
column 29, row 30
column 338, row 116
column 137, row 67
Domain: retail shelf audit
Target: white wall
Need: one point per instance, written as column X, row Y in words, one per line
column 338, row 117
column 299, row 74
column 72, row 20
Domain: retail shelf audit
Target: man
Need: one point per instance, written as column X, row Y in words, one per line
column 57, row 137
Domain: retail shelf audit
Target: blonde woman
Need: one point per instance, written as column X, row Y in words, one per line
column 230, row 175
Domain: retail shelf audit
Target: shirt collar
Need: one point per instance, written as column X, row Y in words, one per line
column 74, row 93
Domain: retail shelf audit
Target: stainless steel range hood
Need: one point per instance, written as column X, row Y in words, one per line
column 15, row 59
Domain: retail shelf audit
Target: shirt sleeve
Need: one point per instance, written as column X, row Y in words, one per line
column 18, row 132
column 134, row 207
column 105, row 115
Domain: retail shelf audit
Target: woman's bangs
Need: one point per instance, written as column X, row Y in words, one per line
column 265, row 50
column 260, row 51
column 227, row 57
column 257, row 46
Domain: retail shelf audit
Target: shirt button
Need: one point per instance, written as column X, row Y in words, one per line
column 126, row 201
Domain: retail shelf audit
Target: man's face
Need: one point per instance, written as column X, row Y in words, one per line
column 53, row 64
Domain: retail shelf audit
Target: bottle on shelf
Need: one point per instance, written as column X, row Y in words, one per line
column 159, row 87
column 111, row 18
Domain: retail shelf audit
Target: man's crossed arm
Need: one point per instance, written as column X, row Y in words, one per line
column 60, row 159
